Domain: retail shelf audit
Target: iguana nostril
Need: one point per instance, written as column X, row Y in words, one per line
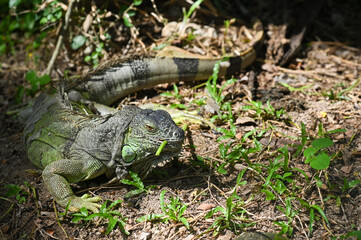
column 179, row 134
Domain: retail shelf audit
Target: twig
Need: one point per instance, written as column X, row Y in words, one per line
column 58, row 221
column 346, row 61
column 60, row 39
column 303, row 230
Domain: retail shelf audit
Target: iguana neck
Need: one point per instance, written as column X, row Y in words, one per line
column 102, row 138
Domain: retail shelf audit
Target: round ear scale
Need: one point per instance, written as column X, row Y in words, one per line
column 128, row 154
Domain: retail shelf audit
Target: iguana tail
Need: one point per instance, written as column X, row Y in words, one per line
column 119, row 78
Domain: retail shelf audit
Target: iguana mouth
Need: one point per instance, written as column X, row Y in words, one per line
column 143, row 168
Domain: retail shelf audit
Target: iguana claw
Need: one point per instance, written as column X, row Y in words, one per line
column 86, row 201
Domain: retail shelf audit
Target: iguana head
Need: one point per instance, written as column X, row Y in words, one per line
column 146, row 133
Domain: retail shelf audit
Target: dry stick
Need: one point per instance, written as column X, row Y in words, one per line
column 60, row 39
column 303, row 230
column 57, row 219
column 346, row 61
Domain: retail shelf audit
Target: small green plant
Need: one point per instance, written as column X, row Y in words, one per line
column 262, row 112
column 211, row 85
column 276, row 180
column 286, row 227
column 176, row 95
column 233, row 151
column 52, row 13
column 136, row 182
column 105, row 212
column 186, row 15
column 232, row 215
column 25, row 17
column 19, row 193
column 355, row 233
column 96, row 55
column 292, row 89
column 128, row 12
column 36, row 83
column 171, row 212
column 170, row 94
column 311, row 209
column 316, row 154
column 78, row 41
column 331, row 94
column 347, row 185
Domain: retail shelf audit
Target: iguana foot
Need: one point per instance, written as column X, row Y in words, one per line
column 86, row 201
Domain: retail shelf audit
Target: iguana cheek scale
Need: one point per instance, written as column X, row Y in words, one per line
column 71, row 146
column 128, row 154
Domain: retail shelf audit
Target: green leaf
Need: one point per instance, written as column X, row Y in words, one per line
column 84, row 211
column 29, row 21
column 166, row 94
column 113, row 204
column 161, row 200
column 13, row 190
column 322, row 143
column 309, row 152
column 296, row 89
column 136, row 179
column 159, row 150
column 269, row 194
column 127, row 21
column 302, row 172
column 192, row 8
column 303, row 133
column 31, row 77
column 14, row 3
column 150, row 217
column 312, row 218
column 339, row 130
column 221, row 169
column 112, row 222
column 321, row 212
column 87, row 58
column 137, row 2
column 99, row 214
column 44, row 79
column 321, row 161
column 309, row 159
column 77, row 219
column 103, row 207
column 184, row 221
column 183, row 208
column 128, row 182
column 78, row 42
column 135, row 192
column 354, row 234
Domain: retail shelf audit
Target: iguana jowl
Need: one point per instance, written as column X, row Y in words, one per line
column 71, row 146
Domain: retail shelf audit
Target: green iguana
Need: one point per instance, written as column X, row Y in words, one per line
column 71, row 146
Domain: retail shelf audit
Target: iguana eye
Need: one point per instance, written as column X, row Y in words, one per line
column 149, row 127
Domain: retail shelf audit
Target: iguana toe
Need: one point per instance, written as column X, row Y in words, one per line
column 86, row 201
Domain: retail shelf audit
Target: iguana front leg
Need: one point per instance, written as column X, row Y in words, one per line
column 58, row 174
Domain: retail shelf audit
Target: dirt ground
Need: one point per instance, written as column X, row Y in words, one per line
column 323, row 75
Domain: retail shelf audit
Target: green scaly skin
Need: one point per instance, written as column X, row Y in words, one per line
column 72, row 147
